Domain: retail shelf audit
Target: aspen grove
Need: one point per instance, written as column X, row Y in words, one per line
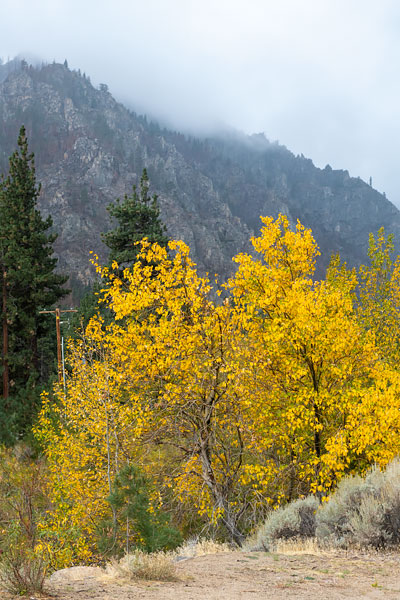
column 229, row 400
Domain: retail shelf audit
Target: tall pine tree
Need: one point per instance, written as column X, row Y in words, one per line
column 137, row 216
column 28, row 283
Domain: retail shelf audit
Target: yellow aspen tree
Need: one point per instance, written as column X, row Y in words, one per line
column 156, row 387
column 379, row 296
column 175, row 340
column 274, row 392
column 310, row 363
column 373, row 424
column 86, row 434
column 374, row 421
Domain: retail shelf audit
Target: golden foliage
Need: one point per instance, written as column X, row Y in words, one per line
column 270, row 394
column 312, row 369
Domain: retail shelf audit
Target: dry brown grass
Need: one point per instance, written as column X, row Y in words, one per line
column 292, row 546
column 301, row 546
column 201, row 547
column 158, row 566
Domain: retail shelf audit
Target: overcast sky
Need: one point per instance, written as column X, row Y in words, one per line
column 320, row 76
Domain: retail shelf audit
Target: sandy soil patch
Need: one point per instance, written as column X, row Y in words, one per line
column 241, row 575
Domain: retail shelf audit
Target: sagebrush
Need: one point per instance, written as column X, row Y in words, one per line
column 295, row 520
column 363, row 512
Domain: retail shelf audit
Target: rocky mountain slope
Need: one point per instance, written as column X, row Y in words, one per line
column 90, row 150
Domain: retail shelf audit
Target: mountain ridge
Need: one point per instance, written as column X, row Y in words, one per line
column 90, row 150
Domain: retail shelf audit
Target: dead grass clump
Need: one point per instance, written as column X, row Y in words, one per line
column 158, row 566
column 299, row 546
column 201, row 547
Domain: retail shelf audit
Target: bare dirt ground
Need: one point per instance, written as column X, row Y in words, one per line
column 241, row 575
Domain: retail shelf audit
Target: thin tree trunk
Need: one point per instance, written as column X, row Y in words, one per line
column 5, row 337
column 220, row 501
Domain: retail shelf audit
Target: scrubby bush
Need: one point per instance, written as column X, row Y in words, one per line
column 295, row 520
column 363, row 512
column 333, row 519
column 22, row 571
column 24, row 556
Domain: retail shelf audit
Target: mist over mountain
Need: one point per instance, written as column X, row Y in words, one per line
column 90, row 150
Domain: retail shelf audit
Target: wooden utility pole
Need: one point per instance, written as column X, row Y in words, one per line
column 57, row 312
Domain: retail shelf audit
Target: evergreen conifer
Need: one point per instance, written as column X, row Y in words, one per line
column 138, row 216
column 28, row 283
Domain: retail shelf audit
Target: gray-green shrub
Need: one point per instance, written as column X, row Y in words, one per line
column 333, row 519
column 295, row 520
column 363, row 512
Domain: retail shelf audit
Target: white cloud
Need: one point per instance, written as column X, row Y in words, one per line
column 322, row 77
